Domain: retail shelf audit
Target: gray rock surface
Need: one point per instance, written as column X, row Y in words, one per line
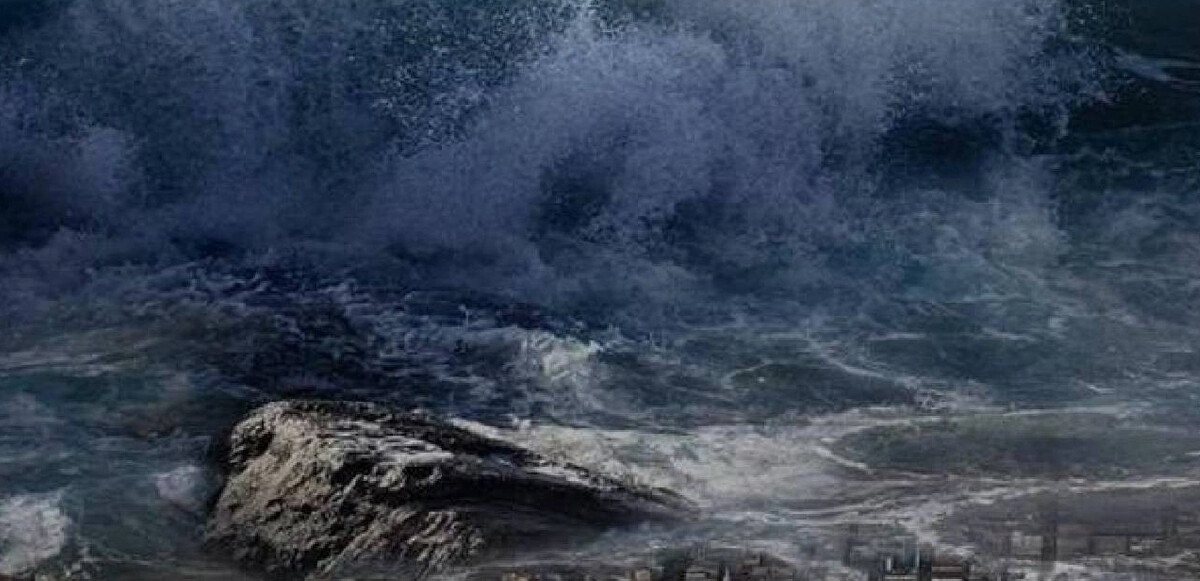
column 331, row 488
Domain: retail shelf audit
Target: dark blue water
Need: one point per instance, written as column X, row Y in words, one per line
column 696, row 243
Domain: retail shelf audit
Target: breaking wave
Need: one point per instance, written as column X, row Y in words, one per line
column 596, row 155
column 711, row 245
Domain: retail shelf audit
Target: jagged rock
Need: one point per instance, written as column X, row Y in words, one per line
column 324, row 488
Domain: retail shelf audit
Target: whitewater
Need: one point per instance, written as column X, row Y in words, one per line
column 870, row 265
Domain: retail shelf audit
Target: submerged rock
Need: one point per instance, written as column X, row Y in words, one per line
column 323, row 488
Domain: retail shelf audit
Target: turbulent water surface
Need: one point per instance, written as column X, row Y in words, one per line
column 898, row 266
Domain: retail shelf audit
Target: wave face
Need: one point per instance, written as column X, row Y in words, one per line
column 742, row 248
column 539, row 147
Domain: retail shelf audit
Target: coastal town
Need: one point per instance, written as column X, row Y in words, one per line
column 1041, row 543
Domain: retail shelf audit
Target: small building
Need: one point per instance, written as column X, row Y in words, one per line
column 1109, row 545
column 1025, row 546
column 949, row 569
column 898, row 568
column 703, row 571
column 761, row 567
column 1073, row 540
column 1145, row 547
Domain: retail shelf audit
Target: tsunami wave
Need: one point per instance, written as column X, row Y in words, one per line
column 582, row 154
column 815, row 264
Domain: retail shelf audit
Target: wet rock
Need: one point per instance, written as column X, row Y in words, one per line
column 323, row 488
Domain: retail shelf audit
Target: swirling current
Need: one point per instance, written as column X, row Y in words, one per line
column 823, row 266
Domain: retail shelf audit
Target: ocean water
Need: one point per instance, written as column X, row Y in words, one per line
column 886, row 265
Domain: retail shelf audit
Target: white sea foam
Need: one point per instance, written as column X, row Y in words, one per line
column 189, row 488
column 725, row 136
column 33, row 529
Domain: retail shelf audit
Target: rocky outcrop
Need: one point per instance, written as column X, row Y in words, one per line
column 323, row 488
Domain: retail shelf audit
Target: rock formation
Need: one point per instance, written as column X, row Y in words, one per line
column 324, row 488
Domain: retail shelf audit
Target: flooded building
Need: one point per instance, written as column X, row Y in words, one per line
column 949, row 569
